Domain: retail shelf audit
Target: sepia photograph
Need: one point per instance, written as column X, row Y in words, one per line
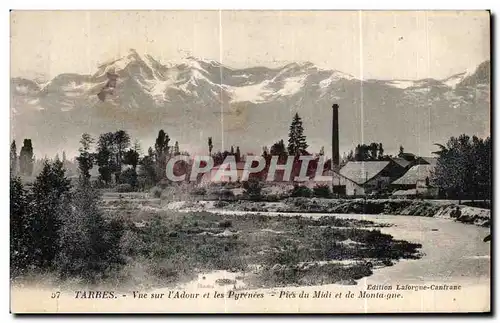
column 250, row 161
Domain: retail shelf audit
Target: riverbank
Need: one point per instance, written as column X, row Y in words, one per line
column 259, row 251
column 424, row 208
column 453, row 254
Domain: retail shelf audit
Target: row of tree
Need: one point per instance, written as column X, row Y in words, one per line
column 297, row 145
column 58, row 228
column 117, row 160
column 24, row 162
column 364, row 152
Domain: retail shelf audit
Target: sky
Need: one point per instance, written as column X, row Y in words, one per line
column 367, row 44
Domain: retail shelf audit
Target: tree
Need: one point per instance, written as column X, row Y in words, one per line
column 360, row 153
column 13, row 158
column 279, row 149
column 297, row 144
column 122, row 142
column 463, row 167
column 20, row 228
column 364, row 152
column 89, row 245
column 148, row 170
column 483, row 172
column 129, row 176
column 176, row 149
column 137, row 147
column 232, row 151
column 161, row 152
column 380, row 151
column 265, row 152
column 26, row 158
column 131, row 158
column 373, row 150
column 350, row 156
column 50, row 189
column 106, row 157
column 322, row 151
column 401, row 151
column 238, row 154
column 210, row 146
column 86, row 158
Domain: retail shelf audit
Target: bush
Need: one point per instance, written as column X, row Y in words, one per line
column 90, row 245
column 322, row 191
column 301, row 191
column 199, row 191
column 479, row 204
column 225, row 194
column 156, row 191
column 131, row 244
column 124, row 188
column 129, row 176
column 271, row 198
column 253, row 188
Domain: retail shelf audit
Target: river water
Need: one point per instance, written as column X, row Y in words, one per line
column 452, row 251
column 453, row 254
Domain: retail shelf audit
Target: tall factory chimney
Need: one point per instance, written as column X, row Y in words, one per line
column 335, row 137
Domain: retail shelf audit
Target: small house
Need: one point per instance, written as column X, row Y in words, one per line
column 359, row 178
column 416, row 182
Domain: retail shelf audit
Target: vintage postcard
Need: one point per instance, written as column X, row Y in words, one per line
column 250, row 162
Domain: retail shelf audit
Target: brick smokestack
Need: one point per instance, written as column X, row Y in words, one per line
column 335, row 137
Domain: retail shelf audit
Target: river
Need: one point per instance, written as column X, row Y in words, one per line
column 452, row 251
column 454, row 254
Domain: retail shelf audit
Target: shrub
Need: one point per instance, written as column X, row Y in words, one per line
column 253, row 188
column 129, row 176
column 271, row 198
column 89, row 245
column 301, row 191
column 322, row 191
column 199, row 191
column 225, row 194
column 131, row 244
column 124, row 188
column 156, row 191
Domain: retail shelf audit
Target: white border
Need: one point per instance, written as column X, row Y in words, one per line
column 190, row 4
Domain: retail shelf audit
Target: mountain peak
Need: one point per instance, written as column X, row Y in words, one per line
column 188, row 95
column 120, row 64
column 481, row 75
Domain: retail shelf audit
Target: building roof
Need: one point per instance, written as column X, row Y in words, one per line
column 401, row 161
column 414, row 174
column 430, row 160
column 405, row 192
column 407, row 156
column 361, row 172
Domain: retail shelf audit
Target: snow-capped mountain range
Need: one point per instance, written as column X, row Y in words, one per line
column 195, row 98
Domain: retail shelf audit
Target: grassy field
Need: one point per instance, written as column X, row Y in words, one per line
column 165, row 248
